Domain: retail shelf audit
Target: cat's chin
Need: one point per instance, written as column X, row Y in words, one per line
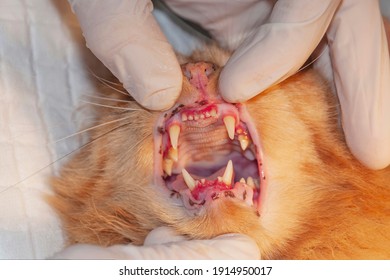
column 207, row 152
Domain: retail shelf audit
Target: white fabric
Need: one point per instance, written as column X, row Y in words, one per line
column 43, row 73
column 163, row 244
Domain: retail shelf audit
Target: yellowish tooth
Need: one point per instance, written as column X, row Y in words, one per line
column 230, row 123
column 219, row 178
column 242, row 180
column 203, row 180
column 190, row 117
column 167, row 166
column 228, row 174
column 244, row 142
column 184, row 117
column 250, row 182
column 202, row 116
column 190, row 182
column 213, row 113
column 207, row 115
column 174, row 132
column 173, row 154
column 196, row 117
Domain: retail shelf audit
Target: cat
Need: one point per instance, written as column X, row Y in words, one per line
column 275, row 168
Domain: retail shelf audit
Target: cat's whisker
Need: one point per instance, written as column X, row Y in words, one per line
column 114, row 107
column 311, row 62
column 107, row 83
column 91, row 128
column 110, row 99
column 6, row 188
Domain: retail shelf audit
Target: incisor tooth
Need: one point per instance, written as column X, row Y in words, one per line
column 167, row 166
column 174, row 132
column 230, row 124
column 183, row 117
column 228, row 174
column 250, row 182
column 242, row 180
column 190, row 182
column 213, row 113
column 173, row 154
column 244, row 142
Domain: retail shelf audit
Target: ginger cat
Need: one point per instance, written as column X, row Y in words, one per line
column 275, row 168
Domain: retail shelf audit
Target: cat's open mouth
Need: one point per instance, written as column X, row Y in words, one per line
column 207, row 151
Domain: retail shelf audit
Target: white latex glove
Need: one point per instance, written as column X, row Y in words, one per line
column 164, row 244
column 124, row 35
column 281, row 35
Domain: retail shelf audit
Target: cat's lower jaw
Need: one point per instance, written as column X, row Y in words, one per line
column 208, row 151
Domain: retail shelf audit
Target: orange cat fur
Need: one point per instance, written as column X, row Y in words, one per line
column 319, row 202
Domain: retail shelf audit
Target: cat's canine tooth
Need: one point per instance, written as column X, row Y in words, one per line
column 230, row 123
column 173, row 154
column 190, row 182
column 250, row 182
column 174, row 132
column 244, row 142
column 228, row 174
column 184, row 117
column 242, row 181
column 167, row 166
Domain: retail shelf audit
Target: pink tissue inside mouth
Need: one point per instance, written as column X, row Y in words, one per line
column 204, row 148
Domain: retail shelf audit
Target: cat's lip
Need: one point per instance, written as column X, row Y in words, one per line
column 188, row 163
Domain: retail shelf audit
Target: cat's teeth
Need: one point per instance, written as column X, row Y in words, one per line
column 203, row 180
column 173, row 154
column 230, row 123
column 244, row 142
column 207, row 115
column 213, row 113
column 250, row 182
column 174, row 132
column 228, row 174
column 242, row 181
column 190, row 117
column 201, row 116
column 167, row 166
column 184, row 117
column 249, row 155
column 196, row 117
column 190, row 182
column 219, row 178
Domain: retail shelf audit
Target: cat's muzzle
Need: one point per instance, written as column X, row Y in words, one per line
column 209, row 151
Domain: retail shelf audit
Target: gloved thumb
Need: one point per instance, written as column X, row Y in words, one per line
column 125, row 36
column 276, row 50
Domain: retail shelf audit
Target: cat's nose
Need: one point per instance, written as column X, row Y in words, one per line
column 198, row 72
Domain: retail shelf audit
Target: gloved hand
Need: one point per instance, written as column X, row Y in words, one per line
column 164, row 244
column 282, row 34
column 124, row 35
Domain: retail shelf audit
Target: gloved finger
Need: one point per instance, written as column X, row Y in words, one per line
column 228, row 246
column 360, row 59
column 276, row 50
column 126, row 38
